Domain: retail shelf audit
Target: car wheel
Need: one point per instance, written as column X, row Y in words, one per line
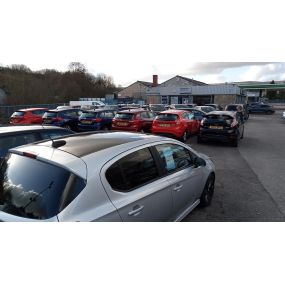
column 184, row 136
column 208, row 192
column 199, row 139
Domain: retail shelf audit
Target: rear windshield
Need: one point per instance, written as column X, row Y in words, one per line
column 157, row 108
column 88, row 115
column 124, row 116
column 231, row 108
column 167, row 117
column 18, row 114
column 33, row 189
column 222, row 118
column 50, row 115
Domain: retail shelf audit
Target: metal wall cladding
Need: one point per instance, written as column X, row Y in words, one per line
column 227, row 89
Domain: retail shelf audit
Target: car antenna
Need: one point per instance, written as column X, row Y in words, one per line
column 54, row 143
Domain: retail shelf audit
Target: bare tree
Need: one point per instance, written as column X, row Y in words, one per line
column 77, row 67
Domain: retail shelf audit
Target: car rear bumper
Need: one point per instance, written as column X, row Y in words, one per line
column 218, row 136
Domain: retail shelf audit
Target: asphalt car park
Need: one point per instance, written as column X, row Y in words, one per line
column 250, row 182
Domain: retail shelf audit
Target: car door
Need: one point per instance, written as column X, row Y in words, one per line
column 189, row 122
column 147, row 119
column 136, row 188
column 185, row 179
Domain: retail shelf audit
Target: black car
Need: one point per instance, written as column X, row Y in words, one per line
column 13, row 136
column 261, row 108
column 66, row 118
column 221, row 126
column 236, row 107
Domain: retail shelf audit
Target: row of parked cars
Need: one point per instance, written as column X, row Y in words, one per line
column 101, row 176
column 111, row 176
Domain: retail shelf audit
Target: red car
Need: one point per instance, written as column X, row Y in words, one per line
column 136, row 120
column 175, row 123
column 28, row 116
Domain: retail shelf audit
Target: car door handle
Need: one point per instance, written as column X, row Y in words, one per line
column 136, row 211
column 177, row 188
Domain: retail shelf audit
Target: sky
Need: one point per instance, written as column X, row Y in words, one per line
column 130, row 40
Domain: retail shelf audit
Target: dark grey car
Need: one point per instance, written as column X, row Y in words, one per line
column 13, row 136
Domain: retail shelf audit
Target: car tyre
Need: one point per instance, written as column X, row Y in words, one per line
column 208, row 192
column 199, row 139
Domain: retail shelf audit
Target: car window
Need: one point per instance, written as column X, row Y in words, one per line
column 16, row 140
column 124, row 116
column 167, row 117
column 18, row 114
column 34, row 189
column 132, row 171
column 86, row 115
column 174, row 157
column 71, row 113
column 107, row 114
column 38, row 112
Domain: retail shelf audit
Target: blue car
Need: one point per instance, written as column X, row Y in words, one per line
column 65, row 118
column 95, row 120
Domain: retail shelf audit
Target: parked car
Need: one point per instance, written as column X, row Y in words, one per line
column 66, row 118
column 115, row 176
column 198, row 114
column 261, row 108
column 216, row 106
column 221, row 126
column 178, row 124
column 182, row 106
column 206, row 109
column 13, row 136
column 236, row 107
column 99, row 119
column 156, row 108
column 135, row 120
column 28, row 116
column 283, row 115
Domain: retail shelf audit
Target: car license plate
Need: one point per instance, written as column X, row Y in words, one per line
column 164, row 125
column 122, row 124
column 86, row 122
column 216, row 127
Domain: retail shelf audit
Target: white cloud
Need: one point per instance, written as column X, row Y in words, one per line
column 264, row 73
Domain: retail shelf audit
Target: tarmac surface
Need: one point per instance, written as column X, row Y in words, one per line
column 250, row 179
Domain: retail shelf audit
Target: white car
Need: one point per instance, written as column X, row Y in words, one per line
column 283, row 115
column 106, row 176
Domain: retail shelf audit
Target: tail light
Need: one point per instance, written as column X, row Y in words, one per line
column 97, row 120
column 56, row 119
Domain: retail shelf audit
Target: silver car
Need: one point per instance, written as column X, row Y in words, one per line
column 107, row 176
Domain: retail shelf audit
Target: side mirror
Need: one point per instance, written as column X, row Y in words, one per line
column 198, row 161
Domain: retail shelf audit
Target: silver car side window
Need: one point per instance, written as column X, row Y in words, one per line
column 174, row 157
